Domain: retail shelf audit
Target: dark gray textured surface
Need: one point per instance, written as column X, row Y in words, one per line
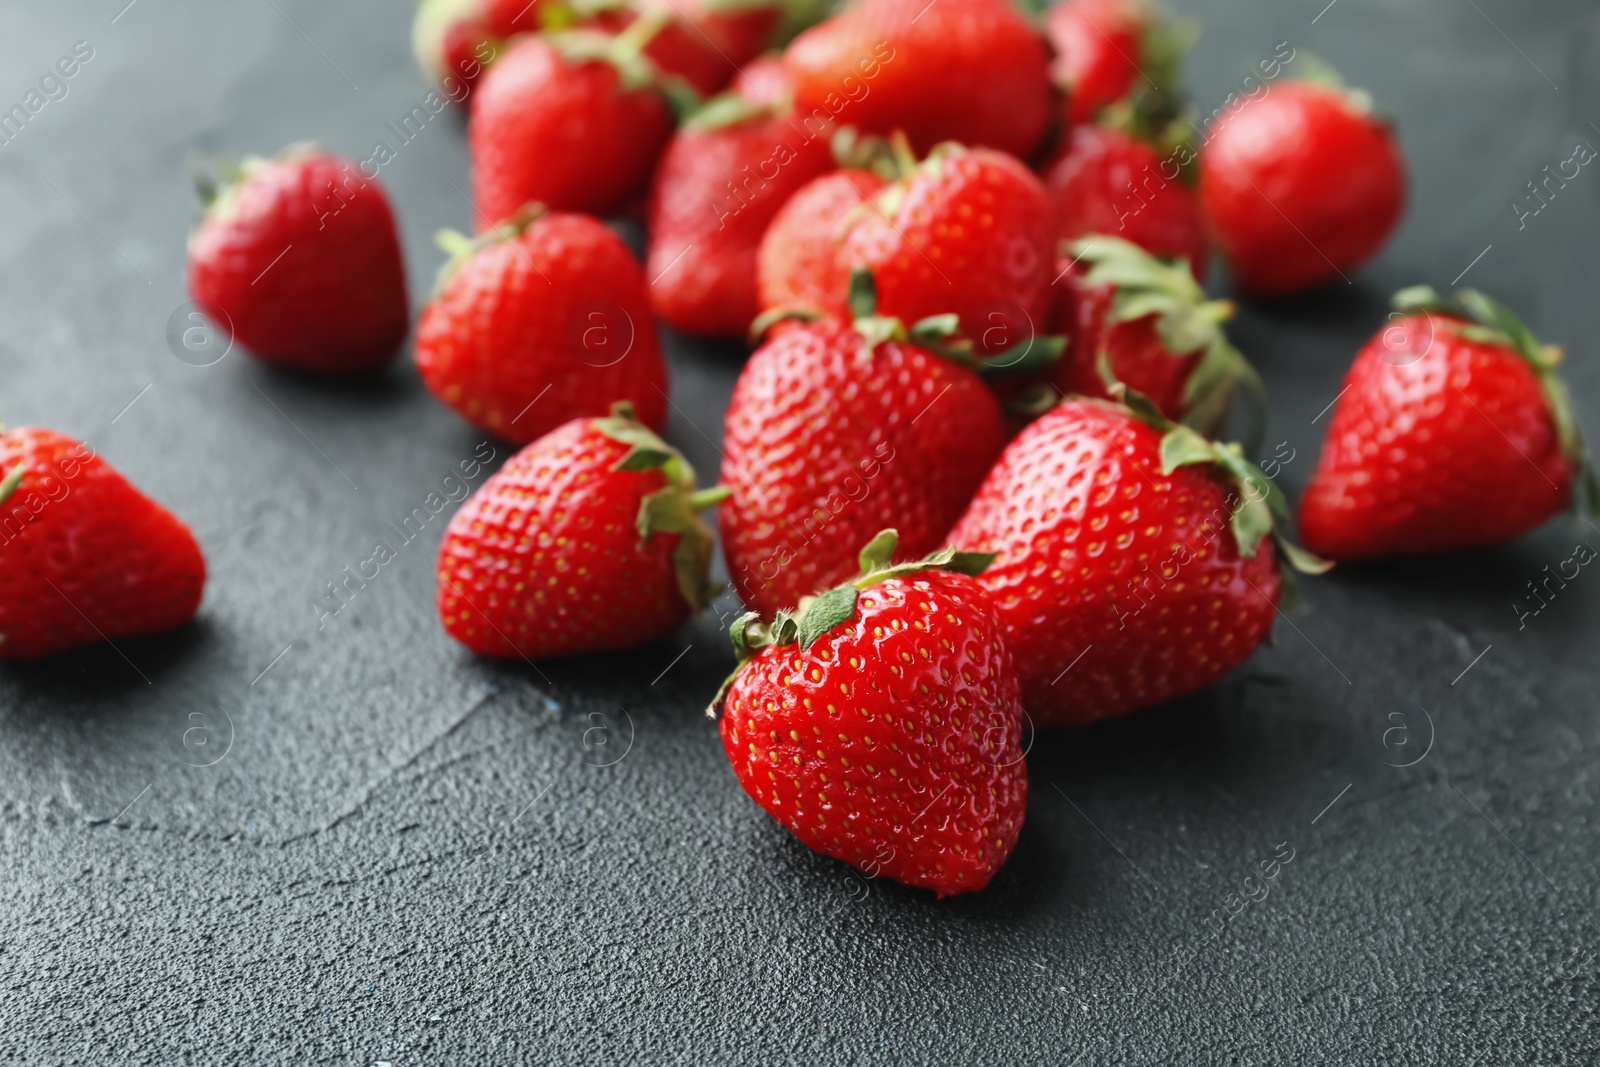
column 406, row 855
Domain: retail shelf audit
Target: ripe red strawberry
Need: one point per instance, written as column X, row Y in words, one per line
column 834, row 431
column 1152, row 322
column 1105, row 181
column 455, row 40
column 1452, row 432
column 1133, row 560
column 587, row 540
column 574, row 121
column 972, row 71
column 704, row 43
column 1111, row 52
column 967, row 231
column 882, row 726
column 723, row 177
column 542, row 320
column 84, row 556
column 299, row 259
column 1301, row 186
column 799, row 254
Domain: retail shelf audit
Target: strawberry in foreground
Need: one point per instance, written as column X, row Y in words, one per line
column 723, row 177
column 85, row 556
column 299, row 259
column 881, row 722
column 1134, row 562
column 1301, row 186
column 1106, row 181
column 573, row 120
column 587, row 540
column 1161, row 336
column 836, row 430
column 972, row 71
column 1452, row 432
column 966, row 231
column 542, row 320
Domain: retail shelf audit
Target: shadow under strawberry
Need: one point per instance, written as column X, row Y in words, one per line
column 99, row 672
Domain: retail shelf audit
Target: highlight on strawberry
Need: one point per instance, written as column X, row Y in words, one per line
column 587, row 540
column 881, row 723
column 1136, row 560
column 1452, row 431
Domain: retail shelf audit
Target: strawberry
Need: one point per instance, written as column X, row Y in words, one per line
column 1134, row 563
column 723, row 177
column 799, row 255
column 572, row 120
column 455, row 40
column 541, row 320
column 706, row 41
column 825, row 440
column 881, row 723
column 1152, row 322
column 972, row 71
column 1300, row 186
column 1452, row 432
column 1106, row 181
column 1119, row 55
column 298, row 258
column 587, row 540
column 84, row 556
column 967, row 231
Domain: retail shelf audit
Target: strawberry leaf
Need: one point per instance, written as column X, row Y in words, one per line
column 879, row 551
column 831, row 609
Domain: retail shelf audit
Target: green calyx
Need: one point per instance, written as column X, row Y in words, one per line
column 1315, row 70
column 942, row 335
column 460, row 248
column 1487, row 321
column 724, row 110
column 1186, row 322
column 1259, row 507
column 13, row 478
column 625, row 52
column 821, row 614
column 1156, row 109
column 674, row 508
column 218, row 180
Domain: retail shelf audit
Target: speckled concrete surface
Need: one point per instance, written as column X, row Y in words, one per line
column 258, row 840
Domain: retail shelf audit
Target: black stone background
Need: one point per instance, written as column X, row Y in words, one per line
column 402, row 854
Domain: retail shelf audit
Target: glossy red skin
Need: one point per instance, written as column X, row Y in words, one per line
column 471, row 42
column 1104, row 181
column 1438, row 442
column 703, row 46
column 545, row 559
column 537, row 320
column 1099, row 46
column 799, row 255
column 970, row 235
column 121, row 564
column 335, row 302
column 561, row 132
column 1300, row 186
column 704, row 236
column 972, row 71
column 1138, row 357
column 894, row 742
column 895, row 437
column 764, row 82
column 1088, row 529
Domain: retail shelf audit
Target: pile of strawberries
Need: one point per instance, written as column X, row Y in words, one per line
column 970, row 472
